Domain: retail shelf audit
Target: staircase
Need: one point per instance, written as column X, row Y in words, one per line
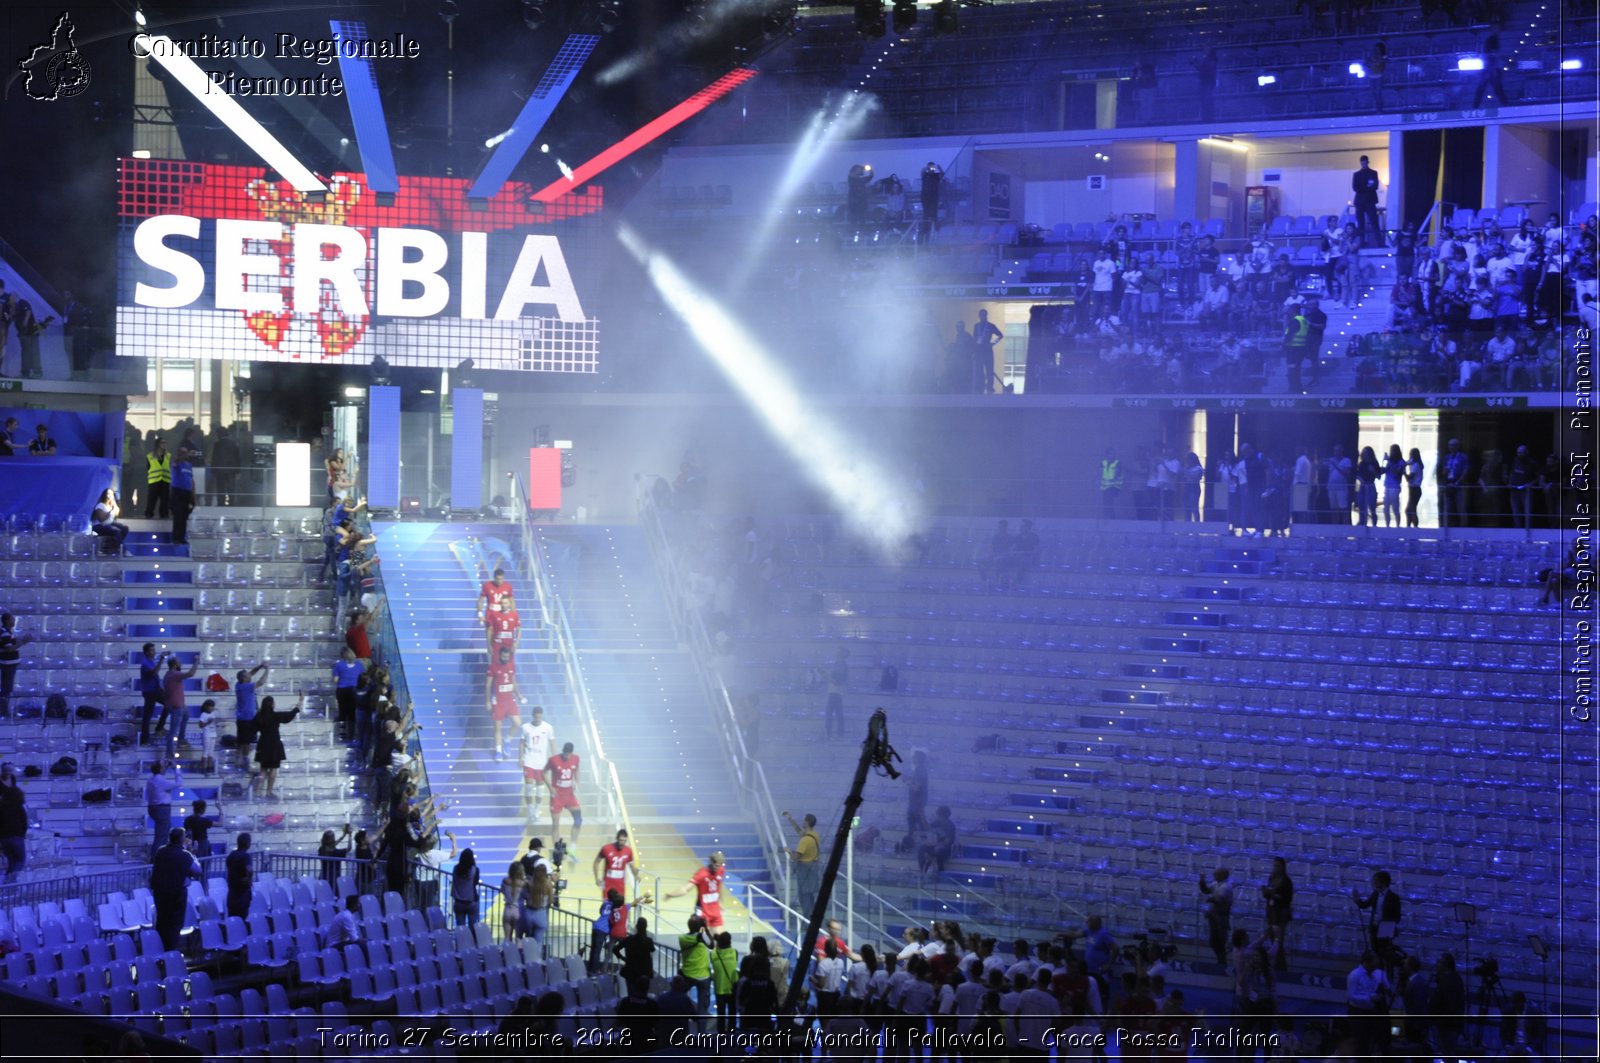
column 1370, row 314
column 431, row 573
column 652, row 715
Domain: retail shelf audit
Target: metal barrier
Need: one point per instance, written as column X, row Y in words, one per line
column 748, row 771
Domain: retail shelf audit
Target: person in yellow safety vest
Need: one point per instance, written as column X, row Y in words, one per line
column 1110, row 483
column 1295, row 335
column 158, row 481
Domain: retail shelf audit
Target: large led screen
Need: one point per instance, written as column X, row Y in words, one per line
column 228, row 262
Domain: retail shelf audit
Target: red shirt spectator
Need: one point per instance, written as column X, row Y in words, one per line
column 356, row 638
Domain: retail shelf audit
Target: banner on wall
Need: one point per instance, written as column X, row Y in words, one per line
column 222, row 261
column 999, row 195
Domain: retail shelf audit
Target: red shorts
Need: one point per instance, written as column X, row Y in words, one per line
column 533, row 775
column 563, row 798
column 712, row 914
column 503, row 710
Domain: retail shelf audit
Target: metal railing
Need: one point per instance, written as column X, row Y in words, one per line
column 559, row 624
column 748, row 771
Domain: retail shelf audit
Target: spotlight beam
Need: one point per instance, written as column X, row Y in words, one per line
column 186, row 72
column 541, row 104
column 872, row 501
column 820, row 136
column 645, row 134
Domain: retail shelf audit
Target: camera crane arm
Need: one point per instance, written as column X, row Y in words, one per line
column 876, row 752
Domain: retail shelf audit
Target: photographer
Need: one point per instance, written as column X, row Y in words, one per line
column 1447, row 1003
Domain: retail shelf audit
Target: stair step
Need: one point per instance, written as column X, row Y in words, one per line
column 1165, row 644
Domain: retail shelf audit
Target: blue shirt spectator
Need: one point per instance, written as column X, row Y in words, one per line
column 182, row 474
column 346, row 673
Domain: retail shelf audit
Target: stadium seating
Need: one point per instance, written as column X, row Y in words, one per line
column 1147, row 705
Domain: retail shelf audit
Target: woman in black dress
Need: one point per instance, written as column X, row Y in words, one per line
column 1279, row 896
column 269, row 740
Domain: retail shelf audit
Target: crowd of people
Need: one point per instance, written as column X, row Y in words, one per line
column 1265, row 492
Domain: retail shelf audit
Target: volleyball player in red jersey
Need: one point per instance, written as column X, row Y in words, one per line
column 504, row 624
column 489, row 596
column 503, row 695
column 561, row 775
column 612, row 865
column 706, row 885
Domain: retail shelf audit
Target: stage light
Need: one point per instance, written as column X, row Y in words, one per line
column 1470, row 62
column 870, row 21
column 186, row 72
column 141, row 153
column 497, row 138
column 355, row 393
column 1225, row 142
column 1358, row 70
column 1572, row 64
column 1263, row 80
column 877, row 505
column 544, row 149
column 645, row 134
column 905, row 15
column 138, row 18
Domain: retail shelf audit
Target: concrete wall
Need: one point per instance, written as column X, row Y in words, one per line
column 996, row 457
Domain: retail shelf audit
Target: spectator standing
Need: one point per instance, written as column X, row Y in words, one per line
column 241, row 876
column 333, row 854
column 103, row 522
column 1364, row 185
column 1218, row 893
column 224, row 468
column 725, row 975
column 1111, row 480
column 636, row 952
column 1520, row 481
column 1394, row 474
column 932, row 181
column 1492, row 77
column 42, row 445
column 1193, row 476
column 1452, row 474
column 182, row 493
column 11, row 659
column 804, row 862
column 149, row 688
column 838, row 677
column 464, row 882
column 1103, row 286
column 537, row 900
column 245, row 685
column 270, row 753
column 159, row 790
column 171, row 869
column 346, row 671
column 986, row 336
column 1296, row 333
column 513, row 893
column 174, row 703
column 1367, row 473
column 1367, row 997
column 1336, row 474
column 1278, row 894
column 1415, row 472
column 9, row 443
column 694, row 964
column 29, row 328
column 13, row 825
column 197, row 825
column 1376, row 66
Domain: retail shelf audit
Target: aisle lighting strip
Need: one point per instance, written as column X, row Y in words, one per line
column 186, row 72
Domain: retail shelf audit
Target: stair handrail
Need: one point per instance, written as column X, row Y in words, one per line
column 748, row 771
column 555, row 616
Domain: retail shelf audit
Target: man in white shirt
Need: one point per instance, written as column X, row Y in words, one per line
column 159, row 790
column 1219, row 911
column 992, row 961
column 1011, row 1000
column 346, row 926
column 1038, row 1012
column 537, row 741
column 1022, row 964
column 1300, row 496
column 969, row 997
column 1367, row 996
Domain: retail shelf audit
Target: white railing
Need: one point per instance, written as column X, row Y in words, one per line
column 748, row 772
column 554, row 614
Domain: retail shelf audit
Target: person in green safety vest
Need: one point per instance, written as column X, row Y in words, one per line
column 158, row 480
column 1110, row 483
column 1295, row 334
